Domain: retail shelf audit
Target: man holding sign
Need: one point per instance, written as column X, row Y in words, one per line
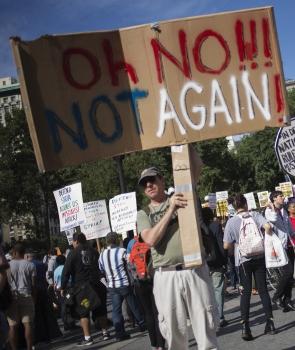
column 178, row 290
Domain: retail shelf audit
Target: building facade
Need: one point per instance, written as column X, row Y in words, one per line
column 10, row 98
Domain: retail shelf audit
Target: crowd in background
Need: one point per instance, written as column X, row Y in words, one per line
column 44, row 296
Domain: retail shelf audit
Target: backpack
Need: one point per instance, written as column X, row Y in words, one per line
column 214, row 256
column 251, row 241
column 140, row 258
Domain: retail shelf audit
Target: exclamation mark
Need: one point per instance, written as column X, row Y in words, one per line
column 266, row 42
column 246, row 50
column 278, row 95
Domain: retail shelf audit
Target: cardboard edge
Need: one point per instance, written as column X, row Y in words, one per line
column 286, row 117
column 14, row 42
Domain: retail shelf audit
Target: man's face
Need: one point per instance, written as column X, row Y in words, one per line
column 153, row 186
column 291, row 208
column 279, row 201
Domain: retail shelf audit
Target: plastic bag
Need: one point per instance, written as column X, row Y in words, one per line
column 275, row 254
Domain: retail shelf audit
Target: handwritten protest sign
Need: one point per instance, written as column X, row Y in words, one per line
column 285, row 148
column 287, row 188
column 69, row 203
column 250, row 200
column 263, row 198
column 123, row 212
column 101, row 94
column 97, row 220
column 221, row 195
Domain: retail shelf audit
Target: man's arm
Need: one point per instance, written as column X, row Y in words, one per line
column 153, row 235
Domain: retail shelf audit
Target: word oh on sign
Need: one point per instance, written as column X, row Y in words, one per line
column 108, row 93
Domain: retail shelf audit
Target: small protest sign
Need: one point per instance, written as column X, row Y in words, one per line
column 212, row 200
column 285, row 148
column 97, row 220
column 221, row 195
column 123, row 212
column 250, row 200
column 287, row 188
column 263, row 198
column 222, row 208
column 69, row 234
column 70, row 207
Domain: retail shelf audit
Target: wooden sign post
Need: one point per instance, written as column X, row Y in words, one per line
column 187, row 166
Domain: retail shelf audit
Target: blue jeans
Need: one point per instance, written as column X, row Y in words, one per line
column 117, row 297
column 218, row 286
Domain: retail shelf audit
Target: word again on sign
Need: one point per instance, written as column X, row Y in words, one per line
column 101, row 94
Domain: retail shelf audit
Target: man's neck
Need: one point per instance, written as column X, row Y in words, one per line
column 159, row 200
column 278, row 206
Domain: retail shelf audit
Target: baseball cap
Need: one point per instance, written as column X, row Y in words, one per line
column 153, row 171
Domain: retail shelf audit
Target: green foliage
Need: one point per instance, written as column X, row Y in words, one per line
column 291, row 101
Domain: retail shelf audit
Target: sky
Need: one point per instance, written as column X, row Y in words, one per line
column 30, row 19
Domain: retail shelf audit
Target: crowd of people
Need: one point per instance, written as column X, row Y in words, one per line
column 149, row 276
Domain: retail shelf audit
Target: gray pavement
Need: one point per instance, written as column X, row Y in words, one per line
column 229, row 337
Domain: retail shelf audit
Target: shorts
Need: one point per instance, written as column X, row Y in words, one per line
column 22, row 309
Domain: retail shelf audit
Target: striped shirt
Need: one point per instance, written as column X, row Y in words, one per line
column 113, row 263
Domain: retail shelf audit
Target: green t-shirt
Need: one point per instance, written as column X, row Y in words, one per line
column 169, row 250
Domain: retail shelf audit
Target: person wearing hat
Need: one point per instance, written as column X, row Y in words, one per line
column 113, row 262
column 278, row 216
column 179, row 291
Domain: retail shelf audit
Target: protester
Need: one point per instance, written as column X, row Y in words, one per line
column 178, row 290
column 250, row 264
column 5, row 297
column 65, row 312
column 141, row 268
column 89, row 292
column 113, row 263
column 218, row 262
column 45, row 324
column 278, row 216
column 22, row 279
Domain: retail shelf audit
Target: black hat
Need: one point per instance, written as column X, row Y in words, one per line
column 153, row 171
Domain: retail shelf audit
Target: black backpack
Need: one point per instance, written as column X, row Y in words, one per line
column 214, row 257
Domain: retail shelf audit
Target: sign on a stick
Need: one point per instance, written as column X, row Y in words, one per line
column 123, row 212
column 285, row 148
column 70, row 207
column 97, row 220
column 95, row 95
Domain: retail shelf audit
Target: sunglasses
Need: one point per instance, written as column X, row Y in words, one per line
column 151, row 179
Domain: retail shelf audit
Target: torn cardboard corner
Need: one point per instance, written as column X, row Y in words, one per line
column 187, row 166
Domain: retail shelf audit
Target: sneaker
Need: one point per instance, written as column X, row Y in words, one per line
column 106, row 336
column 85, row 342
column 278, row 303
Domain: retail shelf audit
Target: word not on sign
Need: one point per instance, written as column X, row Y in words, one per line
column 95, row 95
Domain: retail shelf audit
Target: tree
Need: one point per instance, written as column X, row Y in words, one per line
column 220, row 171
column 24, row 192
column 291, row 101
column 258, row 166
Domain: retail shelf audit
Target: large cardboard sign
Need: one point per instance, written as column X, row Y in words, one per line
column 96, row 95
column 123, row 212
column 70, row 207
column 97, row 220
column 285, row 148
